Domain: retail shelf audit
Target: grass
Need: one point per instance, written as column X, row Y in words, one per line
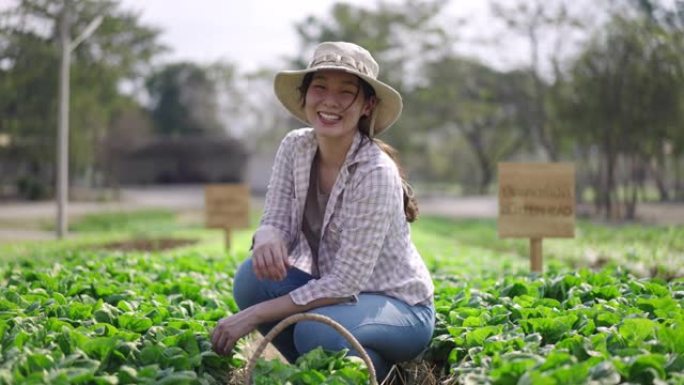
column 136, row 221
column 463, row 247
column 473, row 247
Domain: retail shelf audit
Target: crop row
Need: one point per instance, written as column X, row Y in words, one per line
column 579, row 327
column 113, row 318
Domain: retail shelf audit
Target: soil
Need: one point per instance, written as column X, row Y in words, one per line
column 155, row 244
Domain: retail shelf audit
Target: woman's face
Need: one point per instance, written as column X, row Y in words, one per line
column 334, row 103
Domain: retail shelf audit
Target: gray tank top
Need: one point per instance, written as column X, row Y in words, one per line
column 314, row 212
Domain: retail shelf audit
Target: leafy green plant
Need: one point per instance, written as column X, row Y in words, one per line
column 313, row 368
column 115, row 319
column 575, row 327
column 72, row 315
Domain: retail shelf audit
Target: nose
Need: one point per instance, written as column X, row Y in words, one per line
column 330, row 100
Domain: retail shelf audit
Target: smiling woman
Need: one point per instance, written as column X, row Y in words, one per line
column 334, row 239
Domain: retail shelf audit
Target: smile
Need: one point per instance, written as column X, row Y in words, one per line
column 328, row 116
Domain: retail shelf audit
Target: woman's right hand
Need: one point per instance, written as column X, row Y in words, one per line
column 269, row 257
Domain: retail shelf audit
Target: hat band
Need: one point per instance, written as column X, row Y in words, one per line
column 344, row 61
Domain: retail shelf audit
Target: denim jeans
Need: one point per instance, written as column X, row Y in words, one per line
column 389, row 329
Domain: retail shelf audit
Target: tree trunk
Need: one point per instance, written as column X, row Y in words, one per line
column 632, row 193
column 679, row 184
column 608, row 186
column 475, row 139
column 541, row 121
column 486, row 180
column 659, row 178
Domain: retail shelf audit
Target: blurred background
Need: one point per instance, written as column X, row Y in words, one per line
column 169, row 95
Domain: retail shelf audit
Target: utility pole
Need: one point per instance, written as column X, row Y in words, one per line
column 63, row 124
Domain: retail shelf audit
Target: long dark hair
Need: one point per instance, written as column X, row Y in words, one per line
column 410, row 202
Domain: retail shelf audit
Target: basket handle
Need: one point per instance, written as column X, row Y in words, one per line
column 310, row 317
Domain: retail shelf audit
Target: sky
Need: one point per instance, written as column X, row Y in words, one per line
column 259, row 33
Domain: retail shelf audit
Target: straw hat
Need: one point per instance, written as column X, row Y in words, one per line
column 347, row 57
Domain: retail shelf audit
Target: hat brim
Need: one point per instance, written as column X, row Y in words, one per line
column 286, row 86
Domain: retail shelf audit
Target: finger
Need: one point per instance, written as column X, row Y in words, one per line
column 266, row 271
column 277, row 267
column 274, row 265
column 283, row 253
column 215, row 338
column 258, row 264
column 225, row 344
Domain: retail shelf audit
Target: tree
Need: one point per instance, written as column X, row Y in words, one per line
column 626, row 98
column 118, row 52
column 537, row 21
column 184, row 101
column 486, row 107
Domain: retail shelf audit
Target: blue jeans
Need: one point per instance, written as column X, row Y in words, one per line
column 389, row 329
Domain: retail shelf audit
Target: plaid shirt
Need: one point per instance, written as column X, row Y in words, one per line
column 365, row 239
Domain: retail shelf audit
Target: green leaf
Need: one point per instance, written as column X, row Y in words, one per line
column 515, row 289
column 551, row 329
column 307, row 377
column 72, row 375
column 79, row 311
column 477, row 336
column 188, row 342
column 536, row 378
column 134, row 322
column 557, row 359
column 604, row 373
column 474, row 321
column 105, row 315
column 151, row 354
column 106, row 380
column 177, row 358
column 637, row 330
column 664, row 307
column 127, row 375
column 37, row 362
column 20, row 339
column 606, row 292
column 512, row 369
column 672, row 338
column 185, row 377
column 349, row 376
column 99, row 347
column 647, row 368
column 6, row 305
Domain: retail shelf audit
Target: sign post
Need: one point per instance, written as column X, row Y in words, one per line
column 536, row 201
column 226, row 207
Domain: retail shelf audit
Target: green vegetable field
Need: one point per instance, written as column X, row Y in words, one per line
column 608, row 310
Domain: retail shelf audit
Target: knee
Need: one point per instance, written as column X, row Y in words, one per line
column 245, row 290
column 309, row 335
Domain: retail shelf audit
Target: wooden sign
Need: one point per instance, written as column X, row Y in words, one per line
column 226, row 206
column 536, row 200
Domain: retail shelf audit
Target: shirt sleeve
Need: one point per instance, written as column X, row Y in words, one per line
column 277, row 206
column 366, row 215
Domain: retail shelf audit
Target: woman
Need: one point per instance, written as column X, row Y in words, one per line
column 334, row 237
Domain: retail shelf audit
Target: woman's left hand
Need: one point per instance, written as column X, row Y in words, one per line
column 230, row 329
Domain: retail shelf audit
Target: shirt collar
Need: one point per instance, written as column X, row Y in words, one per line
column 358, row 152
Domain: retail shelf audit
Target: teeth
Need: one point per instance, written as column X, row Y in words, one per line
column 329, row 116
